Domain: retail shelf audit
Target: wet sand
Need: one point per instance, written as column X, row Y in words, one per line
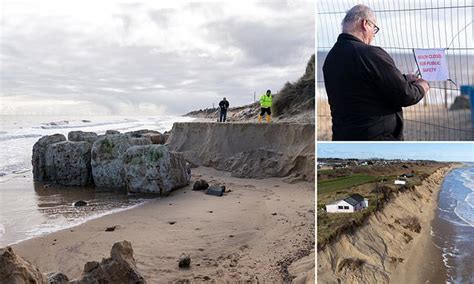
column 263, row 229
column 45, row 207
column 424, row 261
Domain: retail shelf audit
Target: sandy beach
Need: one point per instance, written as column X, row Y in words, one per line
column 254, row 232
column 422, row 123
column 391, row 251
column 424, row 261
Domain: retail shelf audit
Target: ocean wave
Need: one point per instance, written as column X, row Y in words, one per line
column 19, row 136
column 455, row 222
column 65, row 124
column 470, row 200
column 2, row 230
column 444, row 210
column 15, row 168
column 468, row 179
column 465, row 214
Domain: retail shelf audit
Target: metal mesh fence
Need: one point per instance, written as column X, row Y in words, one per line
column 406, row 25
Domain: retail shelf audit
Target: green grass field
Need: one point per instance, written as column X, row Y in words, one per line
column 328, row 186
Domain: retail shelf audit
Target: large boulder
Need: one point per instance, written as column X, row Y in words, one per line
column 140, row 133
column 112, row 132
column 119, row 268
column 140, row 141
column 180, row 170
column 69, row 162
column 82, row 136
column 40, row 172
column 154, row 136
column 14, row 269
column 153, row 169
column 107, row 164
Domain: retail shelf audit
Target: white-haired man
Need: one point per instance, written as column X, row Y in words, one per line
column 365, row 89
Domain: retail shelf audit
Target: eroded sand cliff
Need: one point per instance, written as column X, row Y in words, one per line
column 248, row 150
column 379, row 251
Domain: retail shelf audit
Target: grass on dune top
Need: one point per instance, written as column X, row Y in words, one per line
column 376, row 184
column 327, row 186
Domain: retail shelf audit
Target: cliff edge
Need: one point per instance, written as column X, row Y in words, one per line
column 248, row 150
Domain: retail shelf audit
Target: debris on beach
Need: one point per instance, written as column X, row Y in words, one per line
column 80, row 203
column 216, row 190
column 110, row 229
column 184, row 261
column 200, row 185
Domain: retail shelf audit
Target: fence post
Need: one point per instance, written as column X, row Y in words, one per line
column 446, row 94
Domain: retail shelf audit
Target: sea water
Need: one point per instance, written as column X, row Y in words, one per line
column 453, row 228
column 29, row 209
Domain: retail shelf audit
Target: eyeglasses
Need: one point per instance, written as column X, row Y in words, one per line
column 376, row 29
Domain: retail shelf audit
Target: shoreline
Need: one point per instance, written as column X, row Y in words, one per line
column 240, row 236
column 47, row 208
column 424, row 263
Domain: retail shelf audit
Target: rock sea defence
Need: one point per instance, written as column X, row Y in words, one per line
column 248, row 150
column 112, row 160
column 376, row 250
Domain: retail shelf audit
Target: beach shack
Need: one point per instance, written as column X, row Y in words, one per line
column 349, row 204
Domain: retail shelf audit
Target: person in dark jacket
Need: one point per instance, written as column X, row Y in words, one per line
column 223, row 105
column 365, row 89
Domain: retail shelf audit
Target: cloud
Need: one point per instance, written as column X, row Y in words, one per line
column 154, row 57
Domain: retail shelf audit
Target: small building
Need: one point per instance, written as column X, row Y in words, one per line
column 399, row 181
column 349, row 204
column 407, row 175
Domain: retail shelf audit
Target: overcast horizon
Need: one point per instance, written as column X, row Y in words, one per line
column 443, row 152
column 147, row 58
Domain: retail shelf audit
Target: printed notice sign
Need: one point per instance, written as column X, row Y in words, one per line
column 432, row 64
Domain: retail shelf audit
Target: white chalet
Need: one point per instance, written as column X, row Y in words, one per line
column 349, row 204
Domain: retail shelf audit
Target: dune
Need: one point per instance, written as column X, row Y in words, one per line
column 393, row 246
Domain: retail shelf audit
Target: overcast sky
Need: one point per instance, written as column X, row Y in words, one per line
column 455, row 152
column 147, row 57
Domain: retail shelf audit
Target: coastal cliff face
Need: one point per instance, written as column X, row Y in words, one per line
column 248, row 150
column 374, row 251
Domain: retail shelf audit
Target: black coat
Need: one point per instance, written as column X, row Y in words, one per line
column 224, row 105
column 366, row 91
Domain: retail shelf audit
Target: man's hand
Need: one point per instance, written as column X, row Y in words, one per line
column 411, row 78
column 423, row 83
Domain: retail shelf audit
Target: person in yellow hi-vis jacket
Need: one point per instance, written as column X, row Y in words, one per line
column 265, row 106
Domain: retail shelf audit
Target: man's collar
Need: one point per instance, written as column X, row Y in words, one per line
column 346, row 36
